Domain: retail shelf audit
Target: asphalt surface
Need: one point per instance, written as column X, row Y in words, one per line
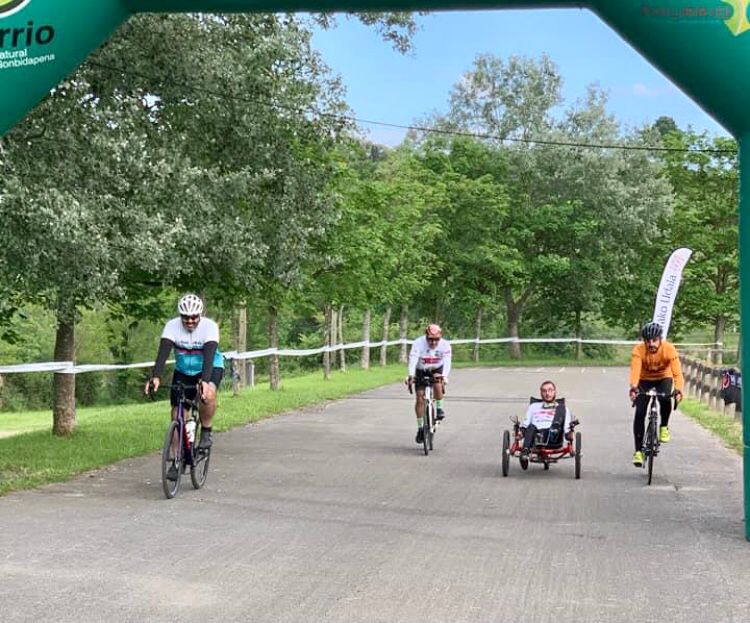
column 335, row 514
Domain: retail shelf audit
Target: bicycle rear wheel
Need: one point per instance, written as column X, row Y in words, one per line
column 199, row 468
column 171, row 456
column 578, row 455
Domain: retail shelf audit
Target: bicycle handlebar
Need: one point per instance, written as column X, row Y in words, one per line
column 179, row 386
column 652, row 393
column 428, row 379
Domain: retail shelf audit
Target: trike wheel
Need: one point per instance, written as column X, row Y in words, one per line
column 578, row 455
column 524, row 463
column 546, row 466
column 506, row 452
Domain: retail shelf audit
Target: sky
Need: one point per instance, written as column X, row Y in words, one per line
column 383, row 85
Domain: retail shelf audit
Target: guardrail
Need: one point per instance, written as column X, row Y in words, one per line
column 719, row 388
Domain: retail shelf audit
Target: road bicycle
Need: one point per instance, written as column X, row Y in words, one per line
column 429, row 415
column 651, row 444
column 180, row 450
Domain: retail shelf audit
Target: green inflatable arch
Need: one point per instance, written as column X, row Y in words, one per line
column 702, row 45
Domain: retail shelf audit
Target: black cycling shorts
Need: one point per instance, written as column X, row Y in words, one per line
column 420, row 376
column 179, row 377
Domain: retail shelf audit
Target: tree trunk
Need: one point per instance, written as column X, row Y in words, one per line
column 477, row 333
column 242, row 342
column 739, row 350
column 342, row 352
column 719, row 326
column 365, row 358
column 579, row 335
column 64, row 385
column 333, row 334
column 403, row 327
column 327, row 342
column 273, row 338
column 384, row 348
column 514, row 319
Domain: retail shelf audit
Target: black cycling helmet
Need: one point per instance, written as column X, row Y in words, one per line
column 651, row 330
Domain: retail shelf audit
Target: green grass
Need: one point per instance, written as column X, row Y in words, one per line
column 727, row 428
column 32, row 456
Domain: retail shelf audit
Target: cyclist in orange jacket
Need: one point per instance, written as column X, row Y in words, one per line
column 654, row 364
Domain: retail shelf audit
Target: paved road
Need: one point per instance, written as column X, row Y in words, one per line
column 334, row 514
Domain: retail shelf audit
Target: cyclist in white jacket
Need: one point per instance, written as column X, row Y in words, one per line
column 541, row 414
column 430, row 356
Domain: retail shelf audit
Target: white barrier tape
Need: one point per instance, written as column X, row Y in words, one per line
column 286, row 352
column 53, row 366
column 68, row 367
column 104, row 367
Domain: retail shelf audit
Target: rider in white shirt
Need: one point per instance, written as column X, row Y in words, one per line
column 540, row 415
column 198, row 361
column 430, row 356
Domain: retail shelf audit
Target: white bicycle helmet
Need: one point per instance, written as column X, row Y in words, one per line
column 190, row 305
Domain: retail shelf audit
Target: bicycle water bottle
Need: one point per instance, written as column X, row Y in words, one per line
column 190, row 427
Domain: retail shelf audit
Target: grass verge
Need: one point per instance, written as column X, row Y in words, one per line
column 31, row 456
column 727, row 428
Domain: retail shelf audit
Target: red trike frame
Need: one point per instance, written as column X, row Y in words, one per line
column 541, row 453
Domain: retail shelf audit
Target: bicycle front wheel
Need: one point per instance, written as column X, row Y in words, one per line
column 199, row 468
column 432, row 423
column 426, row 426
column 651, row 447
column 171, row 461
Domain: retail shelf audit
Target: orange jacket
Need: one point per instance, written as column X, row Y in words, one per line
column 663, row 364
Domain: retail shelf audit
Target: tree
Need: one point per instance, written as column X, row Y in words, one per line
column 379, row 252
column 513, row 100
column 569, row 209
column 89, row 222
column 705, row 220
column 610, row 200
column 472, row 244
column 261, row 133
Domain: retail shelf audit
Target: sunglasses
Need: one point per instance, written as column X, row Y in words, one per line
column 433, row 339
column 194, row 318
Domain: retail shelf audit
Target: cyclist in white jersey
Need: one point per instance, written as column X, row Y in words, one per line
column 430, row 355
column 195, row 340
